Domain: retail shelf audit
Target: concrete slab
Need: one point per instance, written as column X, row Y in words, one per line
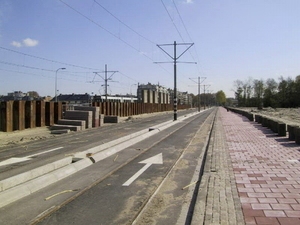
column 80, row 115
column 111, row 119
column 95, row 111
column 63, row 127
column 64, row 131
column 80, row 123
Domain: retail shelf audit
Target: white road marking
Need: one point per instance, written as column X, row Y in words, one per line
column 157, row 159
column 26, row 158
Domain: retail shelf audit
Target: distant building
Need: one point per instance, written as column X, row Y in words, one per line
column 152, row 93
column 17, row 96
column 115, row 98
column 74, row 99
column 183, row 98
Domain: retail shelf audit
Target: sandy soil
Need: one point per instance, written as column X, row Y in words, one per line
column 285, row 115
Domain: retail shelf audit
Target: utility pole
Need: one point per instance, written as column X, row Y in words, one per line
column 204, row 94
column 106, row 79
column 175, row 58
column 199, row 82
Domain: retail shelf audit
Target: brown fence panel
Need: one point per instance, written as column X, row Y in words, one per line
column 40, row 113
column 19, row 115
column 30, row 112
column 6, row 116
column 49, row 114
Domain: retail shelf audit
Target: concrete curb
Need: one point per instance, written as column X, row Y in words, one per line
column 29, row 175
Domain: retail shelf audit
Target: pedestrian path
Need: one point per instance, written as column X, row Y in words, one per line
column 266, row 170
column 218, row 200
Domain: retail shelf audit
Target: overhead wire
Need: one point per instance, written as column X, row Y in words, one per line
column 186, row 30
column 40, row 75
column 114, row 35
column 142, row 36
column 45, row 59
column 172, row 20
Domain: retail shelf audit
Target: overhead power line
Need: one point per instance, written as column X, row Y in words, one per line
column 172, row 20
column 45, row 59
column 38, row 75
column 137, row 33
column 114, row 35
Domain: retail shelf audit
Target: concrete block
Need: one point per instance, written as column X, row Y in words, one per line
column 281, row 129
column 111, row 119
column 297, row 135
column 63, row 127
column 274, row 126
column 80, row 123
column 95, row 111
column 291, row 131
column 264, row 122
column 80, row 115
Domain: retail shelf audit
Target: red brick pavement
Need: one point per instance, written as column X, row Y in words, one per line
column 267, row 171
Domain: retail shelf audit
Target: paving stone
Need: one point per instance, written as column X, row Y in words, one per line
column 265, row 167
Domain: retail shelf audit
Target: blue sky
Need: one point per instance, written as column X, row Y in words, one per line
column 233, row 39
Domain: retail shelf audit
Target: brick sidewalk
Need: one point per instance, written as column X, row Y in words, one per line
column 266, row 171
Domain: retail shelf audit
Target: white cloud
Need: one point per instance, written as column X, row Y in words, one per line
column 189, row 1
column 16, row 44
column 28, row 42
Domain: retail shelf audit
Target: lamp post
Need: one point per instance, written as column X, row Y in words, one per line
column 131, row 88
column 56, row 82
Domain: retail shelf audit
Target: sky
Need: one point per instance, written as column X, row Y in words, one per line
column 227, row 40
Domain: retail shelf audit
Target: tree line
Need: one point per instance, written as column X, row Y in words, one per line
column 283, row 93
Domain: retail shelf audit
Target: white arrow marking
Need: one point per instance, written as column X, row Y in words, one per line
column 157, row 159
column 26, row 158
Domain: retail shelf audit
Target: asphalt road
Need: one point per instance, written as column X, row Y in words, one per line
column 117, row 189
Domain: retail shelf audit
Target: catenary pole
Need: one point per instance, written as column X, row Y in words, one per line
column 175, row 58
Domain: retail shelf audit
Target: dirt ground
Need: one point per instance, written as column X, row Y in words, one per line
column 285, row 115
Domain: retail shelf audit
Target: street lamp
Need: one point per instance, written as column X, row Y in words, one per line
column 56, row 82
column 131, row 88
